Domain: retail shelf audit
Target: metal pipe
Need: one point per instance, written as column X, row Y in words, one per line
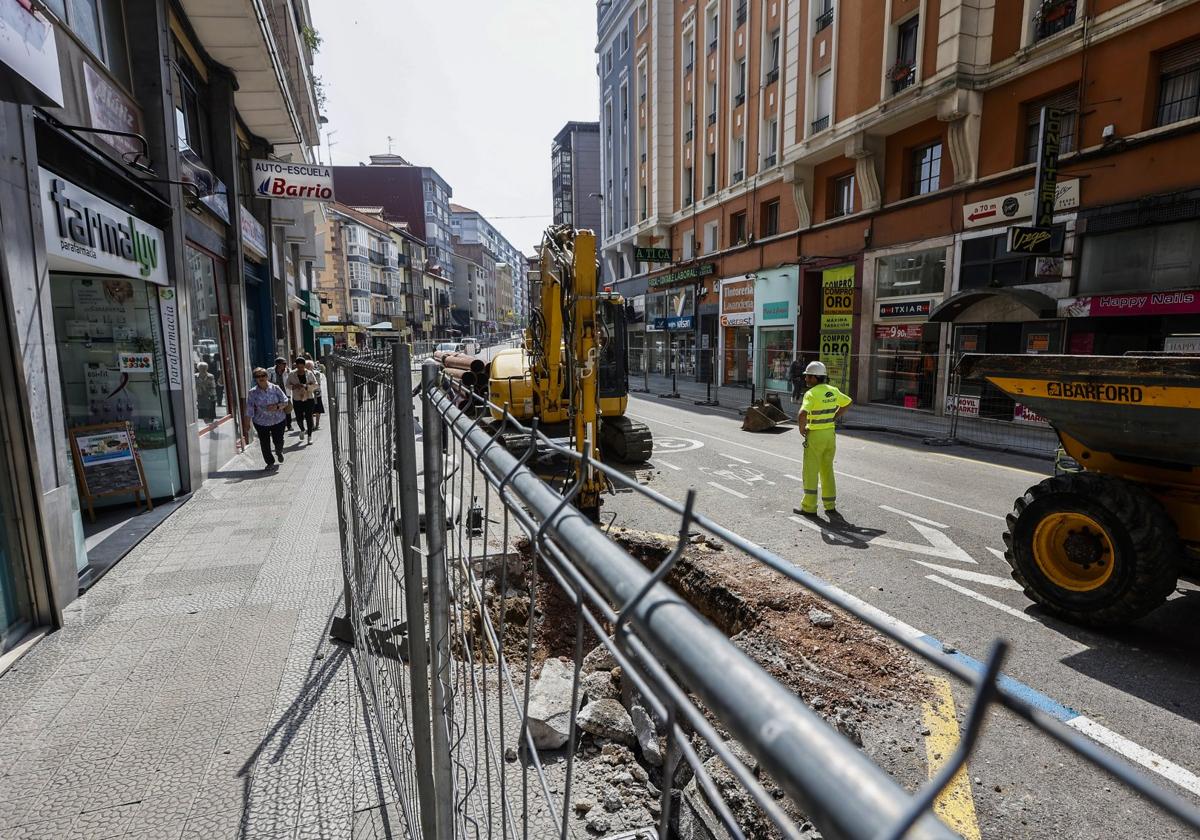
column 843, row 792
column 439, row 599
column 414, row 582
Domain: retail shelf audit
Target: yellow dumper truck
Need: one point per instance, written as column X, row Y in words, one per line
column 1106, row 545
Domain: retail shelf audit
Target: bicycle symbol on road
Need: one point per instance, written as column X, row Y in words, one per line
column 733, row 472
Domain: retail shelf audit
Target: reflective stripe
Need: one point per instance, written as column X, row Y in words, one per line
column 810, row 492
column 824, row 411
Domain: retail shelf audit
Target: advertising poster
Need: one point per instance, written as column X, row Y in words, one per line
column 837, row 320
column 107, row 463
column 170, row 328
column 135, row 362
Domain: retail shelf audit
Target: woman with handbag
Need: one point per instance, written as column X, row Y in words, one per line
column 318, row 402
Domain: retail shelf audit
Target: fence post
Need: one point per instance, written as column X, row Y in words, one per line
column 439, row 600
column 342, row 627
column 414, row 582
column 709, row 399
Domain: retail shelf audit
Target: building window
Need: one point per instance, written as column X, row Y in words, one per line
column 689, row 245
column 987, row 263
column 824, row 15
column 642, row 209
column 1051, row 16
column 769, row 221
column 1179, row 84
column 773, row 62
column 904, row 364
column 689, row 193
column 711, row 29
column 624, row 41
column 771, row 143
column 737, row 228
column 643, row 17
column 191, row 112
column 100, row 25
column 742, row 13
column 843, row 196
column 712, row 103
column 1157, row 257
column 1068, row 103
column 916, row 273
column 904, row 72
column 925, row 169
column 741, row 84
column 739, row 159
column 710, row 173
column 711, row 232
column 689, row 52
column 824, row 102
column 642, row 87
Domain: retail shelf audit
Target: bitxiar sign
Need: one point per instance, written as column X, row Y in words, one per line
column 279, row 179
column 86, row 234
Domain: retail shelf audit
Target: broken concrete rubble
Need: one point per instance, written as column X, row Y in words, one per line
column 607, row 718
column 599, row 659
column 550, row 705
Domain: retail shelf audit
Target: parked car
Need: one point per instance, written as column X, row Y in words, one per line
column 450, row 347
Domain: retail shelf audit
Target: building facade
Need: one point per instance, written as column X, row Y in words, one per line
column 575, row 176
column 489, row 247
column 835, row 180
column 142, row 276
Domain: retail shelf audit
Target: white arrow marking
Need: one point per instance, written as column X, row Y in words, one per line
column 974, row 577
column 912, row 516
column 939, row 545
column 983, row 599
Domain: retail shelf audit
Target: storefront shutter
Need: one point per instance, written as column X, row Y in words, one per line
column 1180, row 58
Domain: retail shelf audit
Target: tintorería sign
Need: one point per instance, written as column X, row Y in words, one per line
column 279, row 179
column 86, row 234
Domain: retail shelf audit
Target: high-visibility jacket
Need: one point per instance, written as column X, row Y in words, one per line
column 820, row 404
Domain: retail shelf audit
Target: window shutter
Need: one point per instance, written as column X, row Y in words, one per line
column 1180, row 58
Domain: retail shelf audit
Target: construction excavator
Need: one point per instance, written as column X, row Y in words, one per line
column 572, row 373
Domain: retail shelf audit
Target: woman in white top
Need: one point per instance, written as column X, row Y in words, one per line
column 319, row 403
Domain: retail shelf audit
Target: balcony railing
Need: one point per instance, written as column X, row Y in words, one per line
column 902, row 75
column 1053, row 16
column 712, row 118
column 769, row 160
column 379, row 288
column 687, row 136
column 741, row 14
column 687, row 68
column 739, row 100
column 643, row 157
column 710, row 189
column 773, row 75
column 737, row 176
column 375, row 256
column 820, row 124
column 712, row 46
column 825, row 19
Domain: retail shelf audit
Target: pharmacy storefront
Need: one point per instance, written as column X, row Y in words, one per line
column 775, row 296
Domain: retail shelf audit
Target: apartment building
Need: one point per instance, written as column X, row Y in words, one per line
column 575, row 176
column 488, row 247
column 835, row 179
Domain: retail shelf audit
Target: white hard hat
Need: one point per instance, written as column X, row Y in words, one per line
column 816, row 369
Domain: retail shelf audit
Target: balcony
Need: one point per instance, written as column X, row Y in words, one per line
column 902, row 75
column 773, row 75
column 363, row 319
column 824, row 20
column 1053, row 16
column 738, row 176
column 375, row 256
column 739, row 100
column 741, row 14
column 820, row 124
column 709, row 190
column 687, row 136
column 712, row 118
column 769, row 160
column 379, row 289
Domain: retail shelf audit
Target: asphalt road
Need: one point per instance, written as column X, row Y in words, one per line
column 930, row 522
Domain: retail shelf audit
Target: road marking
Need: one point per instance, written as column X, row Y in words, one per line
column 722, row 487
column 939, row 545
column 842, row 474
column 974, row 577
column 793, row 478
column 908, row 515
column 676, row 444
column 999, row 554
column 733, row 458
column 983, row 599
column 667, row 464
column 1136, row 752
column 955, row 805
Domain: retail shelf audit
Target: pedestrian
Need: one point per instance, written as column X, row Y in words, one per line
column 279, row 376
column 267, row 404
column 318, row 401
column 301, row 385
column 820, row 409
column 796, row 375
column 206, row 393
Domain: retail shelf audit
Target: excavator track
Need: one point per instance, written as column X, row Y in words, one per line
column 626, row 441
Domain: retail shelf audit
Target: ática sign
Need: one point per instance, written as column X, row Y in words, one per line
column 278, row 179
column 86, row 234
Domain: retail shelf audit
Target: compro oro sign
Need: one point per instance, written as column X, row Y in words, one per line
column 277, row 179
column 88, row 235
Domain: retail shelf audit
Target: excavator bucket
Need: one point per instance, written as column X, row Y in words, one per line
column 762, row 416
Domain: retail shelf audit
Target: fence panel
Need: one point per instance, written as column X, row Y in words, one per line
column 489, row 743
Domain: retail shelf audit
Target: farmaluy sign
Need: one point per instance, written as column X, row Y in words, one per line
column 86, row 234
column 279, row 179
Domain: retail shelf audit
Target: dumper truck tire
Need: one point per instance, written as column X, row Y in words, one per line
column 1094, row 549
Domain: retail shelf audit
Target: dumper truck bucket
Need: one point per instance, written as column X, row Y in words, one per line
column 1138, row 409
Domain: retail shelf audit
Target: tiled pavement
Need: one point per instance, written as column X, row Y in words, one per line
column 193, row 692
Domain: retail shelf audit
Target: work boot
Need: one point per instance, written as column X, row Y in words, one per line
column 811, row 514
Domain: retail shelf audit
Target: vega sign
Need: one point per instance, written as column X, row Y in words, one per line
column 86, row 234
column 279, row 179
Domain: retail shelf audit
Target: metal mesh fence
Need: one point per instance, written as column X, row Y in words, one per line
column 482, row 713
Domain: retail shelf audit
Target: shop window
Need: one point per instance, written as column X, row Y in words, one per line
column 775, row 357
column 1159, row 257
column 917, row 273
column 842, row 200
column 770, row 218
column 925, row 169
column 986, row 262
column 100, row 25
column 737, row 228
column 1179, row 84
column 211, row 334
column 904, row 364
column 1068, row 103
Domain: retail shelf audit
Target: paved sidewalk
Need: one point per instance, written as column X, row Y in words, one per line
column 193, row 692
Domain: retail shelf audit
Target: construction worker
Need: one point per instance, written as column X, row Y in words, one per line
column 822, row 405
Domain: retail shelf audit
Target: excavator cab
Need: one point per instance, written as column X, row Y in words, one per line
column 613, row 361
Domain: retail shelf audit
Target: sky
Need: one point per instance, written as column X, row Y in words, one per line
column 477, row 89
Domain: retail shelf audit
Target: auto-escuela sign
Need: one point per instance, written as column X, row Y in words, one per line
column 279, row 179
column 652, row 254
column 906, row 309
column 1038, row 238
column 695, row 272
column 86, row 234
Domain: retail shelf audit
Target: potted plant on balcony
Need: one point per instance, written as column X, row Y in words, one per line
column 901, row 70
column 1051, row 12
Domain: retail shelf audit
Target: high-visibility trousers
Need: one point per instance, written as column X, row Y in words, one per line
column 819, row 448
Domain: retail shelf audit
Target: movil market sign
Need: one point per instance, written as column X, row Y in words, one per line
column 278, row 179
column 86, row 234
